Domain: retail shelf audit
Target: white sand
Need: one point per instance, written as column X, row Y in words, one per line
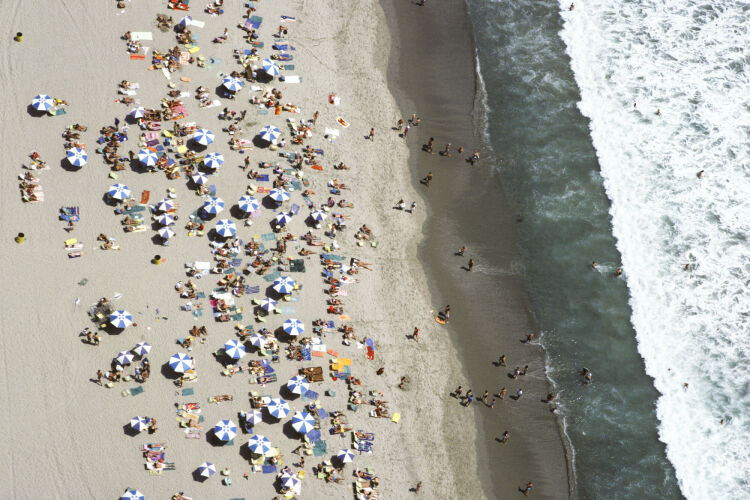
column 64, row 434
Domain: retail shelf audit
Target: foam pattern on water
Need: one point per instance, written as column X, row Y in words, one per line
column 691, row 60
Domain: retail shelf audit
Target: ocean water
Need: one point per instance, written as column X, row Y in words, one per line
column 594, row 178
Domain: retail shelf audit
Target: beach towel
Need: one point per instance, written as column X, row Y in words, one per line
column 297, row 266
column 272, row 276
column 166, row 73
column 288, row 310
column 342, row 122
column 262, row 178
column 311, row 395
column 137, row 56
column 268, row 236
column 141, row 35
column 262, row 111
column 283, row 46
column 288, row 18
column 320, row 448
column 136, row 390
column 188, row 392
column 252, row 289
column 197, row 24
column 287, row 67
column 268, row 469
column 292, row 79
column 144, row 196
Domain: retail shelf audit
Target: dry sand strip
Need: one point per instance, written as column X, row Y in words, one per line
column 79, row 445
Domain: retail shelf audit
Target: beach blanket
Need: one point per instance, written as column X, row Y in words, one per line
column 262, row 178
column 272, row 276
column 297, row 266
column 188, row 392
column 268, row 469
column 291, row 79
column 319, row 448
column 283, row 46
column 252, row 289
column 268, row 236
column 141, row 35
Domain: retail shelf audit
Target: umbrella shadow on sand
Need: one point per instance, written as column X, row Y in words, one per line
column 68, row 167
column 129, row 431
column 168, row 373
column 32, row 111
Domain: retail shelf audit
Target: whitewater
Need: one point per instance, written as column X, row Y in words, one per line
column 666, row 87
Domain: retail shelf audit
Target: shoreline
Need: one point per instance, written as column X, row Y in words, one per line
column 409, row 24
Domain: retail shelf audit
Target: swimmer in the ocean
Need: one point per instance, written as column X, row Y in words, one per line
column 618, row 273
column 593, row 265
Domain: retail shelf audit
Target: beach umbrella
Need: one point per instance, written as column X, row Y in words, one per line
column 234, row 349
column 42, row 102
column 248, row 204
column 185, row 21
column 298, row 384
column 180, row 362
column 165, row 205
column 213, row 160
column 138, row 112
column 213, row 205
column 121, row 319
column 268, row 304
column 283, row 218
column 142, row 348
column 226, row 228
column 139, row 423
column 270, row 67
column 148, row 157
column 257, row 339
column 303, row 422
column 278, row 195
column 284, row 285
column 289, row 481
column 254, row 417
column 225, row 430
column 318, row 215
column 203, row 136
column 269, row 133
column 118, row 192
column 345, row 456
column 200, row 178
column 165, row 232
column 206, row 469
column 293, row 327
column 278, row 408
column 124, row 357
column 165, row 220
column 232, row 83
column 77, row 156
column 259, row 444
column 131, row 494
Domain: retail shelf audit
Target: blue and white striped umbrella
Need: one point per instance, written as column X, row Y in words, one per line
column 234, row 349
column 283, row 218
column 118, row 192
column 318, row 215
column 257, row 340
column 165, row 205
column 225, row 430
column 124, row 357
column 226, row 228
column 345, row 455
column 232, row 83
column 269, row 133
column 203, row 136
column 303, row 422
column 131, row 494
column 77, row 156
column 298, row 384
column 253, row 417
column 293, row 327
column 213, row 205
column 185, row 21
column 139, row 424
column 200, row 178
column 289, row 481
column 270, row 67
column 166, row 233
column 148, row 157
column 279, row 195
column 284, row 285
column 165, row 220
column 248, row 204
column 138, row 112
column 213, row 160
column 259, row 444
column 206, row 469
column 42, row 102
column 142, row 348
column 121, row 319
column 180, row 362
column 268, row 304
column 278, row 408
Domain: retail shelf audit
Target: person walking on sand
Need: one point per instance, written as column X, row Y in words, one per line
column 372, row 135
column 471, row 264
column 458, row 391
column 428, row 146
column 501, row 361
column 469, row 398
column 492, row 405
column 413, row 207
column 316, row 115
column 519, row 394
column 99, row 376
column 528, row 488
column 447, row 150
column 505, row 437
column 406, row 131
column 447, row 313
column 415, row 334
column 400, row 124
column 461, row 251
column 418, row 487
column 428, row 178
column 484, row 396
column 503, row 391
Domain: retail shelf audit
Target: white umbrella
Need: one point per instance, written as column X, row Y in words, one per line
column 180, row 362
column 254, row 417
column 232, row 83
column 278, row 195
column 213, row 205
column 132, row 494
column 138, row 112
column 118, row 192
column 165, row 220
column 318, row 215
column 345, row 455
column 139, row 424
column 293, row 327
column 225, row 430
column 77, row 156
column 166, row 233
column 278, row 408
column 268, row 304
column 298, row 384
column 234, row 349
column 303, row 422
column 226, row 228
column 142, row 348
column 213, row 160
column 283, row 218
column 200, row 178
column 259, row 444
column 124, row 357
column 270, row 133
column 270, row 67
column 206, row 469
column 289, row 481
column 121, row 319
column 203, row 137
column 148, row 157
column 248, row 204
column 42, row 102
column 284, row 285
column 165, row 205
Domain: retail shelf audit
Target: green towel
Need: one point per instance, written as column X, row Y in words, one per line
column 297, row 266
column 136, row 390
column 188, row 391
column 268, row 236
column 320, row 448
column 272, row 276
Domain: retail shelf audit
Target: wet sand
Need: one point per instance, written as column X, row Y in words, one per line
column 432, row 73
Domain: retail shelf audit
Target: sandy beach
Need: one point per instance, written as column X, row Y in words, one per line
column 80, row 444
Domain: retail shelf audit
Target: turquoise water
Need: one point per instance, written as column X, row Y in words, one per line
column 549, row 169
